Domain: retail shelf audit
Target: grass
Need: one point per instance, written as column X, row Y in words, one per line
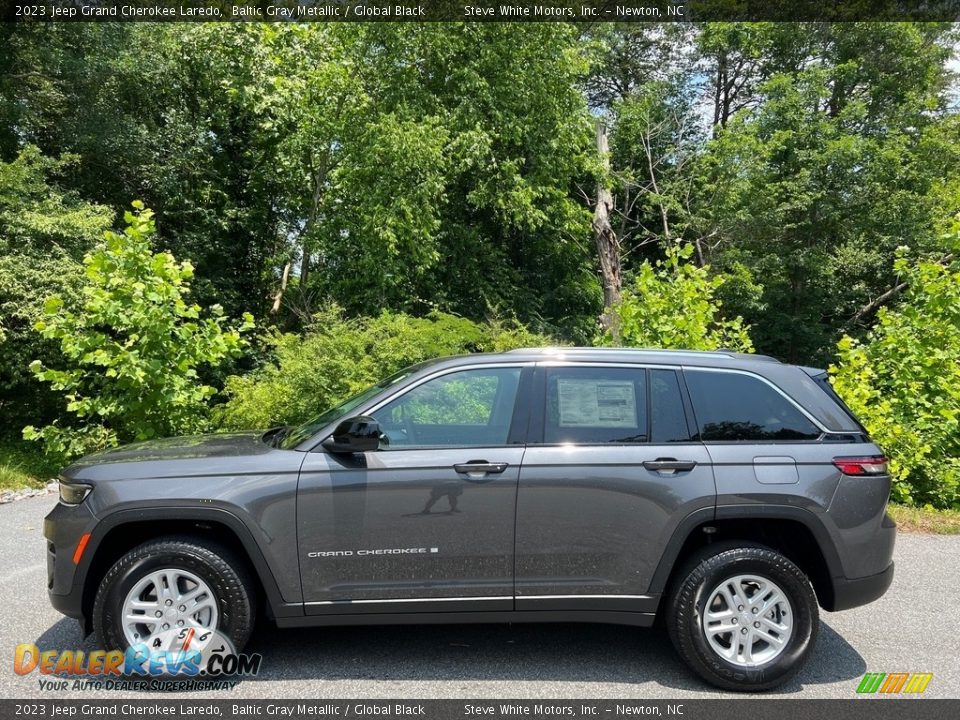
column 925, row 520
column 23, row 465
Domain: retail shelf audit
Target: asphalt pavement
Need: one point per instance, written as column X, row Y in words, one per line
column 915, row 627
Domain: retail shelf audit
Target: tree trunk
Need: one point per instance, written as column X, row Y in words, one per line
column 319, row 178
column 278, row 297
column 607, row 242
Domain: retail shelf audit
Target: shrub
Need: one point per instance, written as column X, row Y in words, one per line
column 338, row 357
column 131, row 347
column 672, row 305
column 903, row 382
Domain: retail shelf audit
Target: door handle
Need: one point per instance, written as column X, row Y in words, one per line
column 669, row 466
column 475, row 469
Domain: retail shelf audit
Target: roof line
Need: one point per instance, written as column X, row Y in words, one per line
column 561, row 350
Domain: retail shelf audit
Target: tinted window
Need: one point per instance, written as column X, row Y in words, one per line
column 668, row 422
column 733, row 406
column 596, row 405
column 466, row 408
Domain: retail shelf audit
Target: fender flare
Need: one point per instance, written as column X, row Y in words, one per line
column 703, row 516
column 213, row 514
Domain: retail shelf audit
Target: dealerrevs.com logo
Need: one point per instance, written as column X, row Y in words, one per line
column 183, row 655
column 894, row 683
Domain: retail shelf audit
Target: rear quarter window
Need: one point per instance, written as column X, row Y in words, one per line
column 733, row 406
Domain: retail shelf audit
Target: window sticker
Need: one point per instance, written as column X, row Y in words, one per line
column 596, row 403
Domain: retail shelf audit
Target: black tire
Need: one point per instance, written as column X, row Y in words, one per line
column 225, row 574
column 690, row 594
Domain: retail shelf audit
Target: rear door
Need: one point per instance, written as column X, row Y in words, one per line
column 427, row 521
column 610, row 470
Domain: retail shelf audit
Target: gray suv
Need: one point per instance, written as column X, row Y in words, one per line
column 728, row 495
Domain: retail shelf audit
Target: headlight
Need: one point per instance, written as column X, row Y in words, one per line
column 73, row 493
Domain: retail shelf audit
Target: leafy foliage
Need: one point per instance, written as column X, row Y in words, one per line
column 132, row 347
column 44, row 231
column 403, row 171
column 672, row 305
column 825, row 170
column 338, row 357
column 903, row 382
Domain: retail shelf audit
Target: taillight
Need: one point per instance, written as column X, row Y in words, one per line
column 871, row 465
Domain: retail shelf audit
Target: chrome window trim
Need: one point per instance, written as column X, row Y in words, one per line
column 776, row 389
column 684, row 367
column 325, row 432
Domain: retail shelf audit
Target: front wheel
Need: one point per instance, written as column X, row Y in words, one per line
column 169, row 586
column 743, row 617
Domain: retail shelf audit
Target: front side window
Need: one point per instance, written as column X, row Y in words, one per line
column 734, row 406
column 297, row 434
column 596, row 405
column 469, row 408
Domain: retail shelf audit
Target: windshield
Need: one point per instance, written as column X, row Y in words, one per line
column 299, row 433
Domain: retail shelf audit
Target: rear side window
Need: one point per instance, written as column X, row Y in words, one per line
column 734, row 406
column 824, row 384
column 596, row 405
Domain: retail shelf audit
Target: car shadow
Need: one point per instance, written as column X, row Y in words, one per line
column 581, row 653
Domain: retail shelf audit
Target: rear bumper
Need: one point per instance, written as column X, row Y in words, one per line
column 849, row 593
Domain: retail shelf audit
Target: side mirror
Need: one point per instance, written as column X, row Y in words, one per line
column 354, row 435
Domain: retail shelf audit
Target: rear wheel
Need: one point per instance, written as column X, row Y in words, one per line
column 174, row 584
column 744, row 617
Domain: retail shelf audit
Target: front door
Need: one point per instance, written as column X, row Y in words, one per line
column 427, row 521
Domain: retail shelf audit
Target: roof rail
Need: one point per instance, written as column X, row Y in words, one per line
column 557, row 350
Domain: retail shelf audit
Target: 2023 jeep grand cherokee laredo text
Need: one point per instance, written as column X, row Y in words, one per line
column 729, row 494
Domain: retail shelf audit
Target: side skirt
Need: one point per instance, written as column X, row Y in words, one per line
column 636, row 619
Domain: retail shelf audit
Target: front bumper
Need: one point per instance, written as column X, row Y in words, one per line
column 850, row 593
column 62, row 528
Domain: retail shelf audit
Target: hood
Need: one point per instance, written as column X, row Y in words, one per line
column 179, row 448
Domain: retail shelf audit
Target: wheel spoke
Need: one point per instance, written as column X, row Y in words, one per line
column 141, row 619
column 721, row 628
column 193, row 594
column 173, row 589
column 771, row 625
column 728, row 599
column 145, row 605
column 771, row 602
column 765, row 634
column 720, row 614
column 736, row 599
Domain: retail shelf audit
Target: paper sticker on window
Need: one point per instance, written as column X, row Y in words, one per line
column 596, row 403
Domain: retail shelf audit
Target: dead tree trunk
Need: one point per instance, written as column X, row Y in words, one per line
column 607, row 242
column 278, row 297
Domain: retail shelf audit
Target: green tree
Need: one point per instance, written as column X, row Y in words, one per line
column 843, row 152
column 672, row 304
column 903, row 381
column 402, row 166
column 44, row 232
column 131, row 347
column 338, row 357
column 430, row 166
